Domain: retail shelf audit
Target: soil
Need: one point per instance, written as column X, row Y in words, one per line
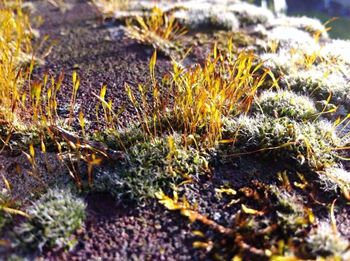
column 116, row 230
column 130, row 233
column 82, row 41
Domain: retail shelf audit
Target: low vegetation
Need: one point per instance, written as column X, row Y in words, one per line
column 108, row 7
column 52, row 221
column 153, row 165
column 271, row 103
column 15, row 51
column 285, row 104
column 159, row 30
column 196, row 100
column 311, row 143
column 8, row 207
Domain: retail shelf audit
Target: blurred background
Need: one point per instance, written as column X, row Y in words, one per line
column 321, row 9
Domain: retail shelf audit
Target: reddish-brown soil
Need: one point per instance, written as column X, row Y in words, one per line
column 81, row 41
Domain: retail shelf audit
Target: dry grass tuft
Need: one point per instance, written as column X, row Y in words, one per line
column 15, row 52
column 108, row 7
column 196, row 100
column 159, row 30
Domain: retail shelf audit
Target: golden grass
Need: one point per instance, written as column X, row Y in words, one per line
column 108, row 7
column 15, row 52
column 196, row 100
column 160, row 30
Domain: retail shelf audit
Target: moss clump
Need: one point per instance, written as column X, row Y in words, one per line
column 338, row 51
column 53, row 219
column 319, row 83
column 307, row 24
column 204, row 17
column 335, row 178
column 285, row 104
column 279, row 63
column 239, row 39
column 120, row 139
column 287, row 211
column 5, row 201
column 250, row 14
column 151, row 166
column 324, row 242
column 285, row 138
column 291, row 214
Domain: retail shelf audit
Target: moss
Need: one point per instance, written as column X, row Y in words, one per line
column 293, row 39
column 288, row 213
column 5, row 200
column 201, row 17
column 319, row 82
column 151, row 166
column 250, row 14
column 280, row 63
column 239, row 39
column 307, row 24
column 285, row 104
column 339, row 26
column 120, row 139
column 324, row 242
column 53, row 219
column 337, row 51
column 335, row 178
column 291, row 214
column 307, row 142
